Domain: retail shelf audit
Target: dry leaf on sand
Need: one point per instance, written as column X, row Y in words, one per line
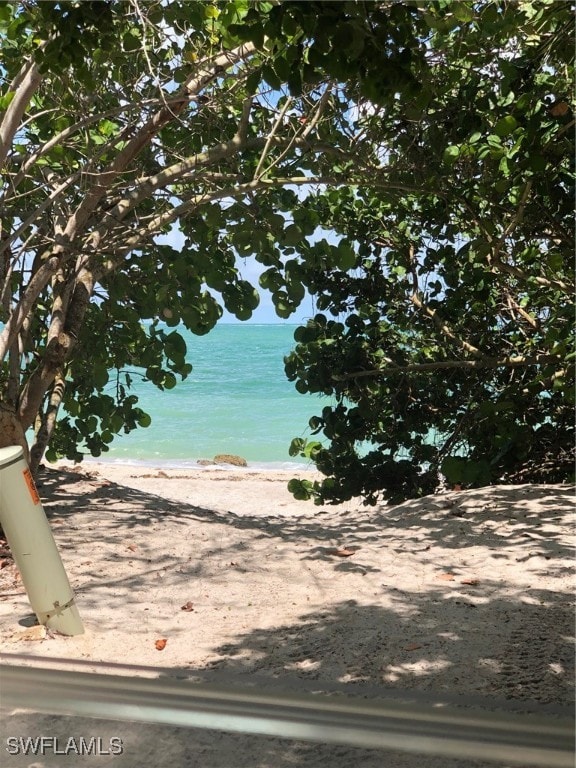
column 342, row 552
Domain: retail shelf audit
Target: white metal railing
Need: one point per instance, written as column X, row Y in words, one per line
column 448, row 731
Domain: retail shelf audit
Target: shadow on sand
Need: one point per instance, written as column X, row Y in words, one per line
column 522, row 657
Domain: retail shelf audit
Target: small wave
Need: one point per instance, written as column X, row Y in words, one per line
column 192, row 464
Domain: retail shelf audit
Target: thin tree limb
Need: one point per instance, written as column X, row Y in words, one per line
column 269, row 140
column 145, row 134
column 521, row 275
column 319, row 111
column 159, row 222
column 486, row 362
column 242, row 131
column 37, row 213
column 438, row 322
column 516, row 219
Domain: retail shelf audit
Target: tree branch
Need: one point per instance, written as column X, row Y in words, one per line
column 299, row 137
column 514, row 307
column 37, row 213
column 138, row 237
column 29, row 160
column 498, row 264
column 269, row 140
column 242, row 131
column 62, row 340
column 27, row 82
column 521, row 275
column 486, row 362
column 320, row 107
column 145, row 187
column 516, row 219
column 36, row 285
column 44, row 433
column 440, row 324
column 145, row 134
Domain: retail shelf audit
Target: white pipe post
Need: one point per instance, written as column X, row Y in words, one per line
column 32, row 544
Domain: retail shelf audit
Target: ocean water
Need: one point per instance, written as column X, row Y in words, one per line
column 237, row 400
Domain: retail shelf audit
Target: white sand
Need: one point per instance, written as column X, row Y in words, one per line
column 466, row 596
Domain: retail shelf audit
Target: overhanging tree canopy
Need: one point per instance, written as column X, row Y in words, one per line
column 119, row 123
column 448, row 346
column 436, row 139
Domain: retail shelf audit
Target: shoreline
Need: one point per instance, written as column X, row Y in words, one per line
column 189, row 464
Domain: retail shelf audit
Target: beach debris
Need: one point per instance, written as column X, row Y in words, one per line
column 447, row 576
column 412, row 647
column 230, row 458
column 189, row 606
column 470, row 582
column 342, row 551
column 160, row 644
column 31, row 634
column 132, row 547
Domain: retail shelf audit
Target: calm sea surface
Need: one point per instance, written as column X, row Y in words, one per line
column 236, row 400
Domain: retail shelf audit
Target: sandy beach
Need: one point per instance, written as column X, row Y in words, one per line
column 465, row 597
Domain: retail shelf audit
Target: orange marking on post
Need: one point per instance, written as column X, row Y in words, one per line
column 31, row 486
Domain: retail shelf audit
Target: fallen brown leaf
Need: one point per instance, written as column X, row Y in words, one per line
column 412, row 647
column 446, row 576
column 160, row 644
column 132, row 547
column 471, row 582
column 187, row 606
column 343, row 552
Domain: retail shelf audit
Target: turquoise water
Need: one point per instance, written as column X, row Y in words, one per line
column 236, row 400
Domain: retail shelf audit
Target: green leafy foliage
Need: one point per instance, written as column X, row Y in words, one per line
column 445, row 341
column 123, row 124
column 410, row 168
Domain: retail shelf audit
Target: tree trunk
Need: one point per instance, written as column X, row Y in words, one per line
column 48, row 421
column 12, row 431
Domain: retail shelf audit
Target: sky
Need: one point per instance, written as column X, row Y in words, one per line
column 265, row 312
column 251, row 270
